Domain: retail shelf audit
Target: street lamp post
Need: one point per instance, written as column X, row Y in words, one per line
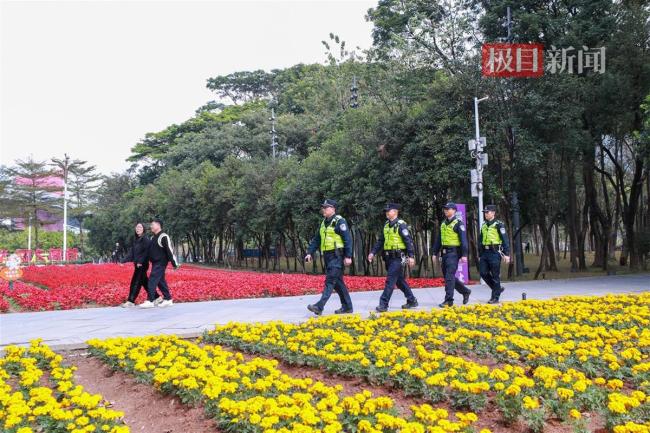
column 29, row 234
column 273, row 132
column 354, row 93
column 65, row 207
column 479, row 162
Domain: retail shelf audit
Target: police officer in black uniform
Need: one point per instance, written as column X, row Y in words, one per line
column 160, row 254
column 335, row 243
column 138, row 254
column 493, row 243
column 397, row 245
column 452, row 242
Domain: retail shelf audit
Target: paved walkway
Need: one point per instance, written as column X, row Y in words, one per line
column 71, row 328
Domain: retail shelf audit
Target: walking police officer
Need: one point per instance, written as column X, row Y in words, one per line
column 452, row 242
column 397, row 244
column 335, row 243
column 493, row 242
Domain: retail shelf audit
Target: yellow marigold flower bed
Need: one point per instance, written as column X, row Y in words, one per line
column 536, row 359
column 31, row 403
column 255, row 396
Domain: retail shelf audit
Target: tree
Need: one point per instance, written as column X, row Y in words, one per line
column 82, row 184
column 32, row 195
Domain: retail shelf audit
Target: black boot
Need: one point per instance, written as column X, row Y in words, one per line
column 446, row 304
column 314, row 309
column 343, row 310
column 381, row 309
column 411, row 304
column 466, row 296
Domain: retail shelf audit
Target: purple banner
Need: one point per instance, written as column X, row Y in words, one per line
column 463, row 268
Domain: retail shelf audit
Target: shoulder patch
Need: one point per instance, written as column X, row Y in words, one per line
column 462, row 227
column 343, row 227
column 503, row 230
column 405, row 231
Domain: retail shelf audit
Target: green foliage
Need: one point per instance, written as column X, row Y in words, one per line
column 574, row 147
column 13, row 240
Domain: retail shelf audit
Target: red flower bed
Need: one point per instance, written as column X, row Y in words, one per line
column 73, row 286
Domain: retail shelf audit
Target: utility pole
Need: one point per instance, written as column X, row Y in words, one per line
column 65, row 207
column 29, row 234
column 273, row 132
column 516, row 220
column 354, row 93
column 476, row 147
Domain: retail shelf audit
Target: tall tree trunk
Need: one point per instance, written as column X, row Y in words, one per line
column 596, row 217
column 550, row 250
column 582, row 238
column 573, row 224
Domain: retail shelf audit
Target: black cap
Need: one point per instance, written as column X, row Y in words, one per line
column 450, row 205
column 490, row 208
column 329, row 203
column 390, row 206
column 157, row 220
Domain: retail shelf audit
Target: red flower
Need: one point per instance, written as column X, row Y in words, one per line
column 75, row 286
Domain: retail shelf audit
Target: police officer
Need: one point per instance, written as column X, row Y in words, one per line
column 335, row 244
column 160, row 254
column 397, row 244
column 492, row 243
column 452, row 242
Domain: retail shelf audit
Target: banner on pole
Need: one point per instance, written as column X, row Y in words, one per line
column 463, row 268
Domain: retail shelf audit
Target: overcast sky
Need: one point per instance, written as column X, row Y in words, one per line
column 91, row 78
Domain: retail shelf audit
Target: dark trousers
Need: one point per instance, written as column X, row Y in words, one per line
column 157, row 279
column 489, row 266
column 138, row 280
column 449, row 264
column 394, row 278
column 334, row 282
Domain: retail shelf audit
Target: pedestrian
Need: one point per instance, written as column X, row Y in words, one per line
column 138, row 254
column 160, row 254
column 451, row 242
column 335, row 242
column 493, row 243
column 397, row 248
column 115, row 256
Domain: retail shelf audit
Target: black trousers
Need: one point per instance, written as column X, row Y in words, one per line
column 490, row 269
column 394, row 278
column 157, row 279
column 334, row 281
column 138, row 280
column 449, row 268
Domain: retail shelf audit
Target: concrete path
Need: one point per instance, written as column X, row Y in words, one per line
column 71, row 328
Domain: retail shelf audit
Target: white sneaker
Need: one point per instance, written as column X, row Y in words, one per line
column 158, row 300
column 147, row 304
column 127, row 304
column 166, row 303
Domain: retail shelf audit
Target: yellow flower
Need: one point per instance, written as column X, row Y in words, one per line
column 530, row 403
column 564, row 393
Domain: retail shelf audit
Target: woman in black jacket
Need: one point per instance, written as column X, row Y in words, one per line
column 138, row 254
